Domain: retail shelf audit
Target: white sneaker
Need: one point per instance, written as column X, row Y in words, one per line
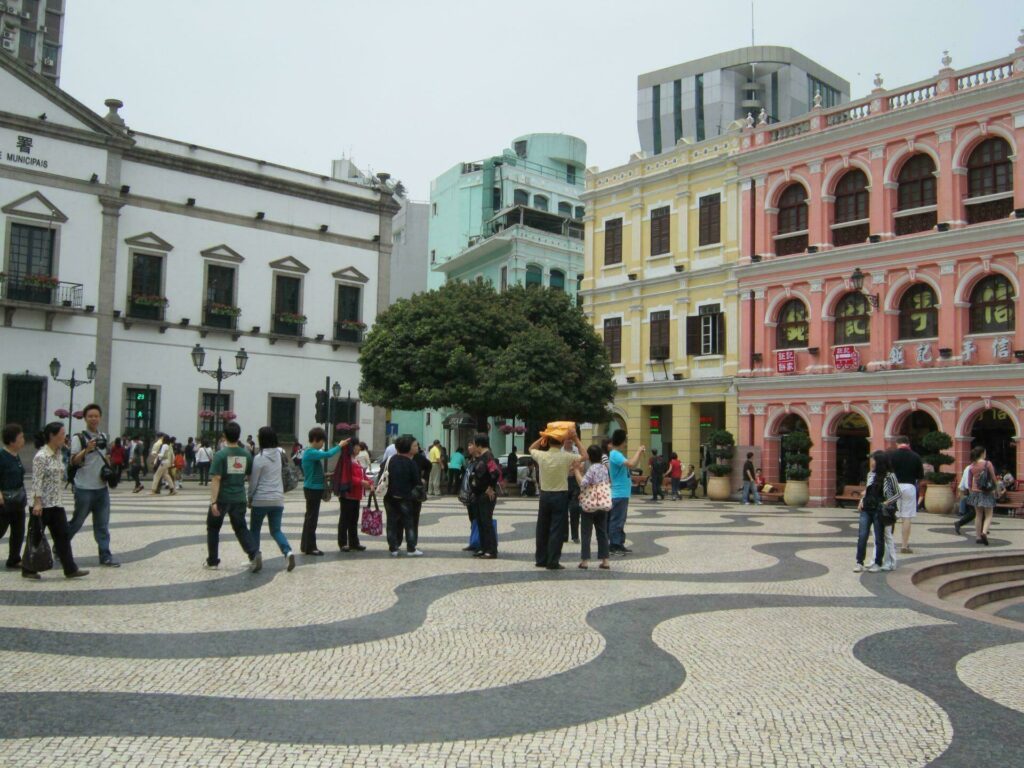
column 290, row 558
column 887, row 567
column 858, row 568
column 874, row 568
column 415, row 553
column 209, row 567
column 394, row 553
column 256, row 563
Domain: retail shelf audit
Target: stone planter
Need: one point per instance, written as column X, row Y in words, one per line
column 797, row 493
column 719, row 488
column 938, row 499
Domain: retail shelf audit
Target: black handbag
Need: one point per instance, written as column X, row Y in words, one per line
column 37, row 556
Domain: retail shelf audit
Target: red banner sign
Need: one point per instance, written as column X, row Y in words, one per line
column 846, row 358
column 785, row 361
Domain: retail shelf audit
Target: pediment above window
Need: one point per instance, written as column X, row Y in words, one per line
column 289, row 264
column 350, row 275
column 149, row 240
column 223, row 253
column 35, row 206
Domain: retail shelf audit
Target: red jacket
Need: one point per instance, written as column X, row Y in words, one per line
column 355, row 490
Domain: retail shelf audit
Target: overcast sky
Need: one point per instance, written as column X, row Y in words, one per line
column 414, row 86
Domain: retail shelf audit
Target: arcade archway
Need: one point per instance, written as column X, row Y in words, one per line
column 915, row 425
column 853, row 444
column 792, row 423
column 994, row 429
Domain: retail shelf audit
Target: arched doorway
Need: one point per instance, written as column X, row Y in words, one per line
column 853, row 445
column 994, row 429
column 915, row 426
column 792, row 423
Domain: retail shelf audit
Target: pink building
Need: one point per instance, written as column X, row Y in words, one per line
column 882, row 259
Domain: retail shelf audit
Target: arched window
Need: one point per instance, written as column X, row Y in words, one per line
column 916, row 189
column 540, row 202
column 557, row 279
column 791, row 331
column 851, row 205
column 565, row 209
column 534, row 275
column 989, row 172
column 992, row 303
column 853, row 320
column 792, row 217
column 580, row 210
column 919, row 313
column 520, row 197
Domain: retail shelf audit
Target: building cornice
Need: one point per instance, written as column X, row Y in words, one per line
column 868, row 383
column 64, row 132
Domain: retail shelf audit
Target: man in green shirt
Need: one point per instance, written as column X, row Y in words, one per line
column 231, row 465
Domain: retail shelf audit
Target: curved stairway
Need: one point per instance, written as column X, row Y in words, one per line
column 987, row 583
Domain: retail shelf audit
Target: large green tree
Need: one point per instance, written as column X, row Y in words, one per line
column 526, row 352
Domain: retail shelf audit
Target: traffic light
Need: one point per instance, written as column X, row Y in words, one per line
column 321, row 406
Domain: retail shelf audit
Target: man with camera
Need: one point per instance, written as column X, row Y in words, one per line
column 89, row 469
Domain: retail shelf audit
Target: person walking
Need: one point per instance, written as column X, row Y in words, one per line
column 689, row 481
column 455, row 466
column 575, row 511
column 597, row 473
column 266, row 493
column 13, row 498
column 657, row 467
column 179, row 466
column 909, row 470
column 750, row 481
column 675, row 475
column 882, row 489
column 117, row 457
column 403, row 478
column 622, row 486
column 204, row 455
column 966, row 512
column 554, row 465
column 163, row 466
column 434, row 454
column 48, row 498
column 363, row 457
column 137, row 464
column 512, row 466
column 984, row 483
column 313, row 458
column 92, row 496
column 483, row 485
column 230, row 466
column 190, row 457
column 349, row 499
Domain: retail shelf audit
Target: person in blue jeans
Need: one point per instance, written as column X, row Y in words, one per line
column 882, row 488
column 622, row 486
column 88, row 451
column 750, row 481
column 266, row 493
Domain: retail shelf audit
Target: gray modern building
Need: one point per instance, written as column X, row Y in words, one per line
column 33, row 32
column 409, row 260
column 698, row 99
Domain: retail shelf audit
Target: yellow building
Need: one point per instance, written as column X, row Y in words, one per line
column 662, row 240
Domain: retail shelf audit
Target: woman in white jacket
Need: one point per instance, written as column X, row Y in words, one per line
column 266, row 492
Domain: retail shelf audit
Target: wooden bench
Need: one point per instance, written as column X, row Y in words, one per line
column 509, row 488
column 639, row 484
column 775, row 494
column 851, row 493
column 1014, row 503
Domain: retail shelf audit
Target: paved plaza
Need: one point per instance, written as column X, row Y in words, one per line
column 733, row 636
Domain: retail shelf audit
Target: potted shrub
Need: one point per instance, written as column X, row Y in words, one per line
column 722, row 447
column 938, row 496
column 796, row 451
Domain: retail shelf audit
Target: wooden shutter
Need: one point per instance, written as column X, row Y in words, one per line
column 710, row 220
column 720, row 338
column 693, row 335
column 660, row 230
column 613, row 338
column 659, row 335
column 613, row 241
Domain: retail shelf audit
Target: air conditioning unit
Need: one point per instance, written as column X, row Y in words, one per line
column 8, row 45
column 49, row 62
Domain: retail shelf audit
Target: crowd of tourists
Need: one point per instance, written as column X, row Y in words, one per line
column 584, row 491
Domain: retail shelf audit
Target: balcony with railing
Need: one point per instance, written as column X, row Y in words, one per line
column 40, row 289
column 146, row 307
column 288, row 324
column 350, row 331
column 224, row 316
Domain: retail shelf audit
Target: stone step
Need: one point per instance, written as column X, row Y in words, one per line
column 987, row 594
column 979, row 562
column 978, row 578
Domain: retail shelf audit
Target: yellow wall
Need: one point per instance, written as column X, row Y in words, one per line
column 679, row 281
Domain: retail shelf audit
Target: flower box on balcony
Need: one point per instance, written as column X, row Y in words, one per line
column 291, row 318
column 225, row 310
column 354, row 324
column 143, row 300
column 42, row 281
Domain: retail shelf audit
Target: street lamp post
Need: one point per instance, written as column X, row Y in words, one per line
column 199, row 357
column 73, row 382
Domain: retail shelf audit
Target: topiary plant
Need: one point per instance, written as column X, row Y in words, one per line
column 935, row 443
column 796, row 448
column 722, row 448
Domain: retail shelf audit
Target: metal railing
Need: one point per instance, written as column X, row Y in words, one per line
column 344, row 332
column 34, row 291
column 285, row 327
column 217, row 319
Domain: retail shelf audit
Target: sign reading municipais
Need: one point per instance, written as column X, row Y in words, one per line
column 22, row 153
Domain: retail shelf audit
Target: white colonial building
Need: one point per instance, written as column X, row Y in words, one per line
column 128, row 250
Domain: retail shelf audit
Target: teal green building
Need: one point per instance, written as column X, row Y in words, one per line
column 511, row 219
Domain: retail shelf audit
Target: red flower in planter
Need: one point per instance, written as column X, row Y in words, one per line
column 62, row 413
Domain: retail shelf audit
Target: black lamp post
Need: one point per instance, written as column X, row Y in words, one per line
column 199, row 357
column 857, row 281
column 90, row 371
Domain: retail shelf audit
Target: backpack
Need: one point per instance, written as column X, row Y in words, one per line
column 985, row 482
column 290, row 477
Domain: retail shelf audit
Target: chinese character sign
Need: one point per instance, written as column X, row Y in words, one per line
column 896, row 355
column 25, row 145
column 846, row 358
column 968, row 351
column 785, row 361
column 1001, row 348
column 924, row 352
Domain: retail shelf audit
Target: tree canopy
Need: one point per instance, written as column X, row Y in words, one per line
column 525, row 352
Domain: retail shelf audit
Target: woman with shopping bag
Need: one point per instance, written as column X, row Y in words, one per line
column 350, row 485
